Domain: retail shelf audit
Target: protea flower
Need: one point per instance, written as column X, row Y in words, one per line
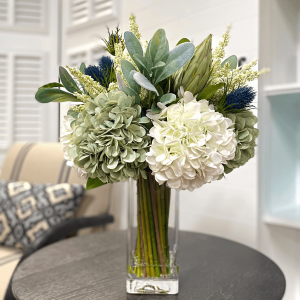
column 195, row 74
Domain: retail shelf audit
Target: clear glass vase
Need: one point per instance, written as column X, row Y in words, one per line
column 152, row 238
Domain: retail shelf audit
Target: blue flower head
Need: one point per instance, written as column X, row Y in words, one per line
column 106, row 63
column 103, row 73
column 241, row 98
column 95, row 72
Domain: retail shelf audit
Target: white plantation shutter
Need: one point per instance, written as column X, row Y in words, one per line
column 3, row 11
column 102, row 8
column 4, row 107
column 79, row 11
column 28, row 114
column 29, row 13
column 75, row 59
column 82, row 11
column 96, row 54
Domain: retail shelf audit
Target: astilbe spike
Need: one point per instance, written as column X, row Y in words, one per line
column 241, row 98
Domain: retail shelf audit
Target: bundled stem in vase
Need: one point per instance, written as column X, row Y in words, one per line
column 152, row 249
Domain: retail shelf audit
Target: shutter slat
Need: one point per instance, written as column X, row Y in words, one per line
column 29, row 13
column 4, row 139
column 27, row 124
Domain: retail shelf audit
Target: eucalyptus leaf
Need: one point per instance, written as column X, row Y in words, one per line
column 144, row 82
column 159, row 46
column 47, row 95
column 183, row 40
column 232, row 61
column 175, row 59
column 127, row 67
column 133, row 45
column 68, row 81
column 209, row 91
column 82, row 68
column 167, row 98
column 72, row 113
column 51, row 85
column 121, row 83
column 93, row 183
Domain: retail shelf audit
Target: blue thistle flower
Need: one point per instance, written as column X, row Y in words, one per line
column 95, row 72
column 106, row 63
column 103, row 73
column 241, row 98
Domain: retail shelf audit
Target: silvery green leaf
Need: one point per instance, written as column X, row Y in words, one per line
column 72, row 113
column 167, row 98
column 144, row 82
column 175, row 59
column 144, row 120
column 131, row 92
column 158, row 69
column 133, row 45
column 159, row 46
column 232, row 61
column 143, row 63
column 160, row 90
column 127, row 67
column 147, row 54
column 82, row 68
column 154, row 109
column 121, row 83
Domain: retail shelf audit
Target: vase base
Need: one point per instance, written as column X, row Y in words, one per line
column 152, row 286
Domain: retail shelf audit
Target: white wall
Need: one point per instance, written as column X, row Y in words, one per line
column 226, row 208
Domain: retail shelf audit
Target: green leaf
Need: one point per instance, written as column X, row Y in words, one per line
column 159, row 46
column 167, row 98
column 127, row 67
column 82, row 68
column 72, row 113
column 121, row 83
column 144, row 120
column 160, row 90
column 133, row 46
column 129, row 91
column 144, row 82
column 47, row 95
column 93, row 183
column 143, row 63
column 209, row 91
column 175, row 59
column 68, row 81
column 155, row 109
column 183, row 40
column 232, row 61
column 51, row 85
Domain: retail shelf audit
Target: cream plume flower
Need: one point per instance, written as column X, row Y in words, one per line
column 191, row 146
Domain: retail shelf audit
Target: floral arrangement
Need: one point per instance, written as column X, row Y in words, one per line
column 183, row 113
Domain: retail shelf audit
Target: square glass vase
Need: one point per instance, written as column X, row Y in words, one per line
column 152, row 238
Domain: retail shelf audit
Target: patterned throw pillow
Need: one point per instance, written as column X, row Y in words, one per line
column 28, row 210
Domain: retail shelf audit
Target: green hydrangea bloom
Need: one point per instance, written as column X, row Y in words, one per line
column 245, row 136
column 107, row 140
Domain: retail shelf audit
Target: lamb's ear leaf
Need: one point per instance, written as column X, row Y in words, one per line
column 51, row 85
column 144, row 82
column 82, row 68
column 68, row 81
column 232, row 61
column 47, row 95
column 159, row 46
column 93, row 183
column 121, row 83
column 183, row 40
column 209, row 91
column 175, row 59
column 142, row 61
column 127, row 67
column 133, row 46
column 131, row 92
column 167, row 98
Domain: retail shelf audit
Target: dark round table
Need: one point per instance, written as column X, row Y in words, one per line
column 93, row 267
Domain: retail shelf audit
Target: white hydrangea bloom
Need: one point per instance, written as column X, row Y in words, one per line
column 65, row 138
column 190, row 146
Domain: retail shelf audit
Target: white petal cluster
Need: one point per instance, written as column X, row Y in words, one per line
column 190, row 146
